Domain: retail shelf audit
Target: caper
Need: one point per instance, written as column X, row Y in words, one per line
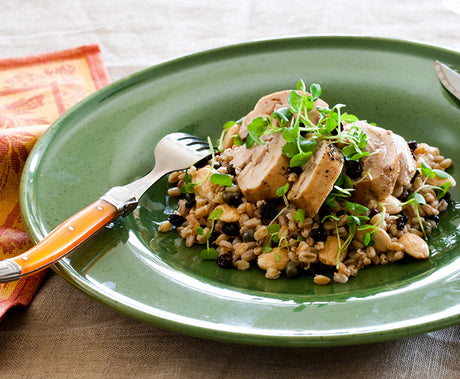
column 231, row 169
column 226, row 196
column 427, row 227
column 232, row 198
column 291, row 270
column 248, row 235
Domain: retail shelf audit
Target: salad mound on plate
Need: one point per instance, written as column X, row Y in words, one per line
column 299, row 187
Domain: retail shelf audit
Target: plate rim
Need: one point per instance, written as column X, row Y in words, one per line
column 36, row 232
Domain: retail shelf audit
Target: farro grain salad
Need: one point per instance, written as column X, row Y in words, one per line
column 299, row 187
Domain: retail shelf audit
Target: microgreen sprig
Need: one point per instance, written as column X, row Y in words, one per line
column 275, row 237
column 225, row 128
column 357, row 142
column 417, row 199
column 210, row 253
column 355, row 219
column 342, row 189
column 368, row 239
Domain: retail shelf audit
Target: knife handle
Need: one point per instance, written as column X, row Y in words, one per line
column 60, row 242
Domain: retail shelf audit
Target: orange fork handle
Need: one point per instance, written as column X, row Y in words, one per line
column 66, row 237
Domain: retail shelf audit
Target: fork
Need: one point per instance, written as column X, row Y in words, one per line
column 175, row 151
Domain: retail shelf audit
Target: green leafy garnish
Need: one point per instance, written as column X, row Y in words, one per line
column 188, row 187
column 283, row 115
column 237, row 141
column 273, row 230
column 282, row 190
column 256, row 129
column 225, row 128
column 221, row 179
column 357, row 142
column 276, row 237
column 367, row 239
column 266, row 248
column 416, row 198
column 215, row 214
column 315, row 90
column 300, row 159
column 355, row 207
column 299, row 147
column 299, row 215
column 295, row 101
column 209, row 254
column 442, row 190
column 228, row 125
column 343, row 187
column 301, row 86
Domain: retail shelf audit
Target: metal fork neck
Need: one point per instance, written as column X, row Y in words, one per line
column 122, row 199
column 125, row 198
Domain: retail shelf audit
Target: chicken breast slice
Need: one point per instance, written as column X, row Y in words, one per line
column 380, row 169
column 407, row 164
column 268, row 104
column 241, row 157
column 317, row 178
column 266, row 170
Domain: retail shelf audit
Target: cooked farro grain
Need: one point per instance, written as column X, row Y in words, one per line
column 321, row 280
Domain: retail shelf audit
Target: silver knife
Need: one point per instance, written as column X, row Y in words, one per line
column 449, row 78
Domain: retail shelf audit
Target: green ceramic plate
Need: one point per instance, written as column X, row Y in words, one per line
column 108, row 140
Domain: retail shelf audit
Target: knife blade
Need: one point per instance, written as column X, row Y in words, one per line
column 449, row 78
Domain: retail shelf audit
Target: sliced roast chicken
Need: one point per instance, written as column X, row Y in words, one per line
column 390, row 163
column 266, row 170
column 407, row 164
column 317, row 178
column 380, row 168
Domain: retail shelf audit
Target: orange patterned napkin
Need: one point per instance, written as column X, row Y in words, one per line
column 34, row 91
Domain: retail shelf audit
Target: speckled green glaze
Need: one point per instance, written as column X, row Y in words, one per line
column 108, row 140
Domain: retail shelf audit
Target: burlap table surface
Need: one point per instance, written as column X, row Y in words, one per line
column 63, row 333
